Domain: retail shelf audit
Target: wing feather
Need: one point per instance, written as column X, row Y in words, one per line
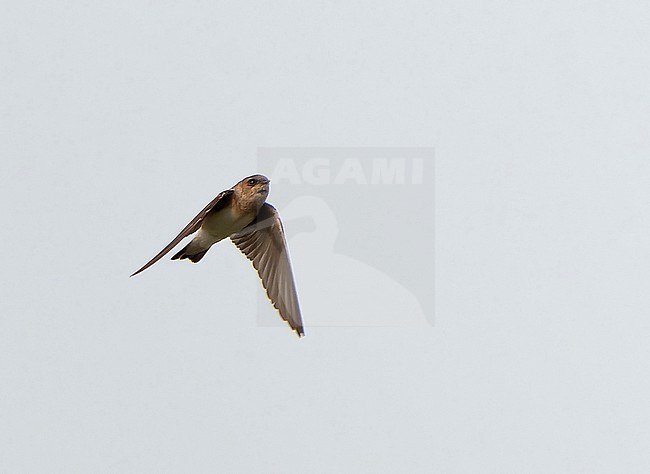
column 222, row 199
column 264, row 244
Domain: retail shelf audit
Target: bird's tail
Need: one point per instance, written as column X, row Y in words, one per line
column 190, row 254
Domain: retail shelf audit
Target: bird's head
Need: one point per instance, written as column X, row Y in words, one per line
column 254, row 188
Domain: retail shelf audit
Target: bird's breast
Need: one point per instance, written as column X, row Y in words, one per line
column 226, row 222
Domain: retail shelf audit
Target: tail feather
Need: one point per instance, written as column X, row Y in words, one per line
column 185, row 253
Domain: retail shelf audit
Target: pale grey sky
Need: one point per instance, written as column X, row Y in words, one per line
column 120, row 120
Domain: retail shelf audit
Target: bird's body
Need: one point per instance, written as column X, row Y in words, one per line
column 225, row 221
column 254, row 226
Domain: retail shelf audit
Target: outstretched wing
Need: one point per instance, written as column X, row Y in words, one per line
column 217, row 203
column 264, row 244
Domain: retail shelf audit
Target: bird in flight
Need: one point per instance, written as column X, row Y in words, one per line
column 254, row 226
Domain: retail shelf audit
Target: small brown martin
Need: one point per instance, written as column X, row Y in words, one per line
column 254, row 226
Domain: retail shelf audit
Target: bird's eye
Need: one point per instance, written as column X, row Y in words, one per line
column 251, row 182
